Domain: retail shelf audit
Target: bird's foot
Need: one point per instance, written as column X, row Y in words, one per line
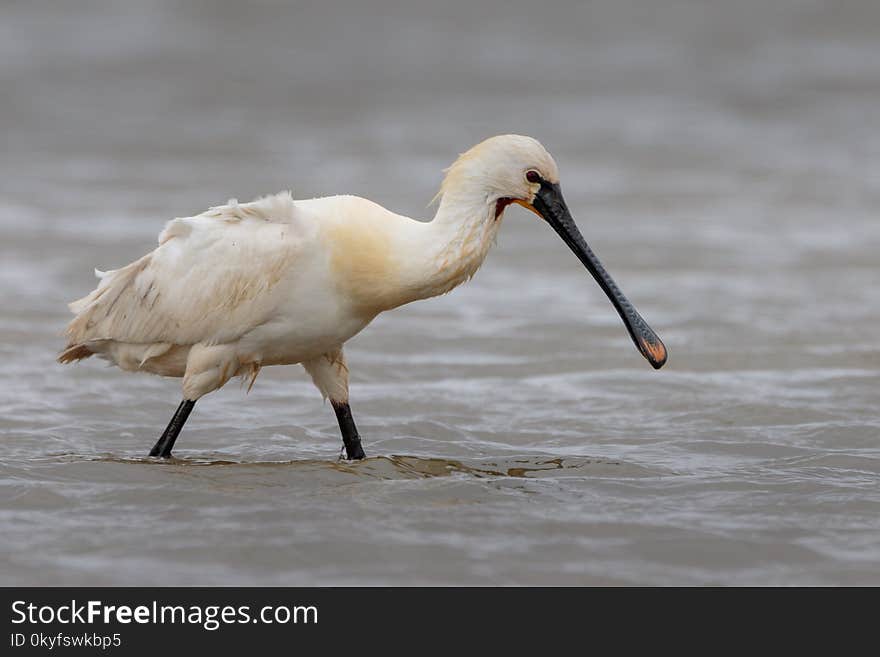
column 354, row 452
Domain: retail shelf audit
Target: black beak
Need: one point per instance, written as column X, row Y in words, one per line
column 551, row 206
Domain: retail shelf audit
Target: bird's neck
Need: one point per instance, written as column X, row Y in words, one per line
column 453, row 245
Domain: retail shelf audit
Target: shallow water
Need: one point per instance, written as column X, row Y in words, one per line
column 722, row 158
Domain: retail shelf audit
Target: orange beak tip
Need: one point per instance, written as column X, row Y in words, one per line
column 654, row 352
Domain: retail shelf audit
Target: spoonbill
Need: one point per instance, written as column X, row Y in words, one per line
column 281, row 281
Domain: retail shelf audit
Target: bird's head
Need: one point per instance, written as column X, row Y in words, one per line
column 510, row 169
column 501, row 170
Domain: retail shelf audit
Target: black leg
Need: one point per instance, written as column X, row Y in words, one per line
column 350, row 437
column 165, row 443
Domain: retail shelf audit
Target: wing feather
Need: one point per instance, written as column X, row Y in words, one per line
column 213, row 278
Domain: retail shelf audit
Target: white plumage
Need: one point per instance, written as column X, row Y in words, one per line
column 274, row 282
column 281, row 281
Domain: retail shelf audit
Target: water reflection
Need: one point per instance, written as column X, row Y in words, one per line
column 413, row 467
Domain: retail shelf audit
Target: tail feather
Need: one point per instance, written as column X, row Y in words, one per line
column 73, row 353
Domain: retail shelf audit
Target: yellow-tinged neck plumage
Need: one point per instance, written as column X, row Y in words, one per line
column 383, row 260
column 463, row 230
column 386, row 260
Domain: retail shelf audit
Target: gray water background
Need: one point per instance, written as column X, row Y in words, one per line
column 722, row 158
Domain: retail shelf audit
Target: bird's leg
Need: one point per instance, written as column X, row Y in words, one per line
column 350, row 437
column 165, row 443
column 330, row 374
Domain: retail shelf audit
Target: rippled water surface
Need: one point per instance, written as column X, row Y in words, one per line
column 723, row 158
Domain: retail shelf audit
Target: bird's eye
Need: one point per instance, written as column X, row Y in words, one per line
column 533, row 176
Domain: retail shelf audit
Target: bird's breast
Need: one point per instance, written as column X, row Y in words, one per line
column 364, row 267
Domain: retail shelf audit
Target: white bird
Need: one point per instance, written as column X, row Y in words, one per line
column 281, row 281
